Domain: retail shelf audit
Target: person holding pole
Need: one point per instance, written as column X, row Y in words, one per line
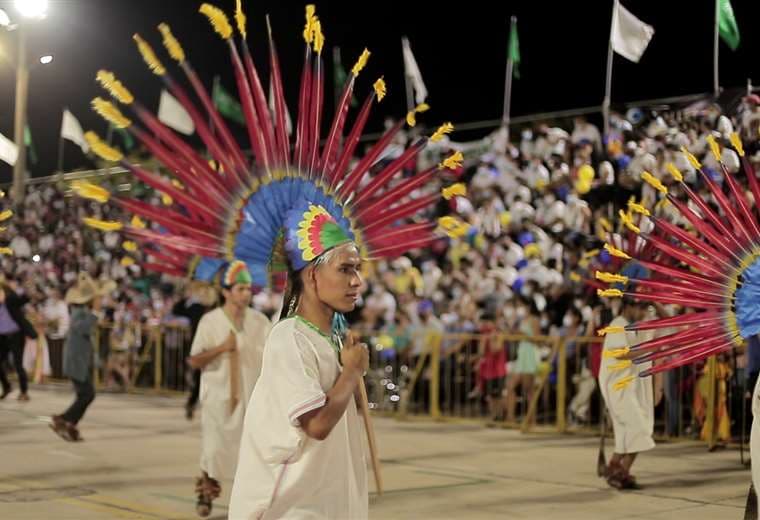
column 305, row 203
column 304, row 413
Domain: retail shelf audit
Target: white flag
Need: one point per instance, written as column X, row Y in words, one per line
column 173, row 114
column 412, row 71
column 72, row 130
column 629, row 36
column 8, row 150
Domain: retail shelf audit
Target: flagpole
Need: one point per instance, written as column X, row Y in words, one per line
column 608, row 85
column 60, row 147
column 508, row 81
column 716, row 86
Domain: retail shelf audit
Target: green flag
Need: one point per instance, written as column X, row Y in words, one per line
column 227, row 105
column 513, row 52
column 727, row 27
column 32, row 153
column 126, row 137
column 339, row 77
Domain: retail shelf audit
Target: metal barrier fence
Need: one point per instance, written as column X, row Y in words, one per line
column 438, row 378
column 436, row 375
column 152, row 357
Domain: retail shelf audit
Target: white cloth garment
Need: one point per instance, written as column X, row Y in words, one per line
column 754, row 436
column 220, row 428
column 632, row 408
column 283, row 473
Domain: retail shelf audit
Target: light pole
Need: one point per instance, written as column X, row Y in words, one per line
column 32, row 9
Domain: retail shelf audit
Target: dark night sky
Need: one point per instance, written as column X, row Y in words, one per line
column 460, row 50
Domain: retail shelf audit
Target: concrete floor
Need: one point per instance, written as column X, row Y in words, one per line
column 140, row 459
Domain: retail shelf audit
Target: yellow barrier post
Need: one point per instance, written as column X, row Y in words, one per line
column 435, row 365
column 711, row 375
column 157, row 353
column 96, row 357
column 561, row 385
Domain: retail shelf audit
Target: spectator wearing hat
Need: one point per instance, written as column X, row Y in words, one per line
column 85, row 302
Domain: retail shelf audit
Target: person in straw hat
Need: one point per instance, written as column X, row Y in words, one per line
column 84, row 298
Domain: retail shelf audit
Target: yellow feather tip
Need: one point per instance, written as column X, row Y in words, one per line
column 308, row 30
column 674, row 172
column 620, row 365
column 714, row 147
column 7, row 251
column 319, row 37
column 380, row 89
column 166, row 199
column 137, row 222
column 101, row 149
column 609, row 293
column 445, row 128
column 89, row 190
column 624, row 382
column 240, row 18
column 654, row 182
column 127, row 261
column 453, row 162
column 616, row 352
column 129, row 246
column 610, row 277
column 628, row 221
column 411, row 118
column 171, row 43
column 103, row 225
column 638, row 208
column 736, row 142
column 5, row 215
column 109, row 82
column 693, row 160
column 360, row 63
column 110, row 113
column 453, row 227
column 455, row 190
column 218, row 19
column 616, row 252
column 150, row 58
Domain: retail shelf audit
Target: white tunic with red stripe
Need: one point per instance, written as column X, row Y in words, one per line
column 283, row 473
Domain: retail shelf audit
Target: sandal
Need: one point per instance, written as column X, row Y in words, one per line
column 207, row 489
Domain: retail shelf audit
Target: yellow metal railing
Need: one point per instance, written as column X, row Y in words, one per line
column 551, row 399
column 423, row 392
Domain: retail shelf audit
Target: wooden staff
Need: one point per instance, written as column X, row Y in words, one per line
column 370, row 437
column 364, row 402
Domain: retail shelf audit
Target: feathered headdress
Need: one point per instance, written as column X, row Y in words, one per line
column 240, row 210
column 714, row 269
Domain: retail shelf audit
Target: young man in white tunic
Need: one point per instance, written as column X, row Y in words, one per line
column 631, row 408
column 228, row 349
column 302, row 452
